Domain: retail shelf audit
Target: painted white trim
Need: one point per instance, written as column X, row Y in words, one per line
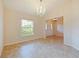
column 75, row 47
column 71, row 46
column 20, row 41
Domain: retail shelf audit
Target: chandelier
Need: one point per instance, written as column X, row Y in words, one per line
column 41, row 10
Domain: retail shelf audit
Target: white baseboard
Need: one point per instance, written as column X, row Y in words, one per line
column 75, row 47
column 20, row 41
column 72, row 46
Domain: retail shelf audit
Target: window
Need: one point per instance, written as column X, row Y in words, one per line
column 26, row 27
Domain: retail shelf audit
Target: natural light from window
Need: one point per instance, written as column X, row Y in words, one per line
column 26, row 27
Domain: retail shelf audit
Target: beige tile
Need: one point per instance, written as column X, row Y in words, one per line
column 52, row 47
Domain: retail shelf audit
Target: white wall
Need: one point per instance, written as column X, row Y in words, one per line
column 12, row 22
column 75, row 24
column 67, row 12
column 71, row 23
column 1, row 26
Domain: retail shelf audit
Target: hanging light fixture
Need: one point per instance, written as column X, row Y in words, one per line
column 41, row 10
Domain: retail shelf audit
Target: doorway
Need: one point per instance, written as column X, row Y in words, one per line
column 55, row 27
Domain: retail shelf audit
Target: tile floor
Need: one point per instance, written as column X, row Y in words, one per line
column 52, row 47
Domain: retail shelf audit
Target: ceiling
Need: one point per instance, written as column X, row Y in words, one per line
column 29, row 6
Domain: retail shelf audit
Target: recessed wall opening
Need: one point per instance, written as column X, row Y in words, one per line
column 55, row 28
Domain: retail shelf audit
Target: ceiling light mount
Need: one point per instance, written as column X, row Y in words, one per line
column 41, row 10
column 41, row 0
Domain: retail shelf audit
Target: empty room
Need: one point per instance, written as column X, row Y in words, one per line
column 39, row 28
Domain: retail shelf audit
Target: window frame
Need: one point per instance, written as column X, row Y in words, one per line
column 27, row 35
